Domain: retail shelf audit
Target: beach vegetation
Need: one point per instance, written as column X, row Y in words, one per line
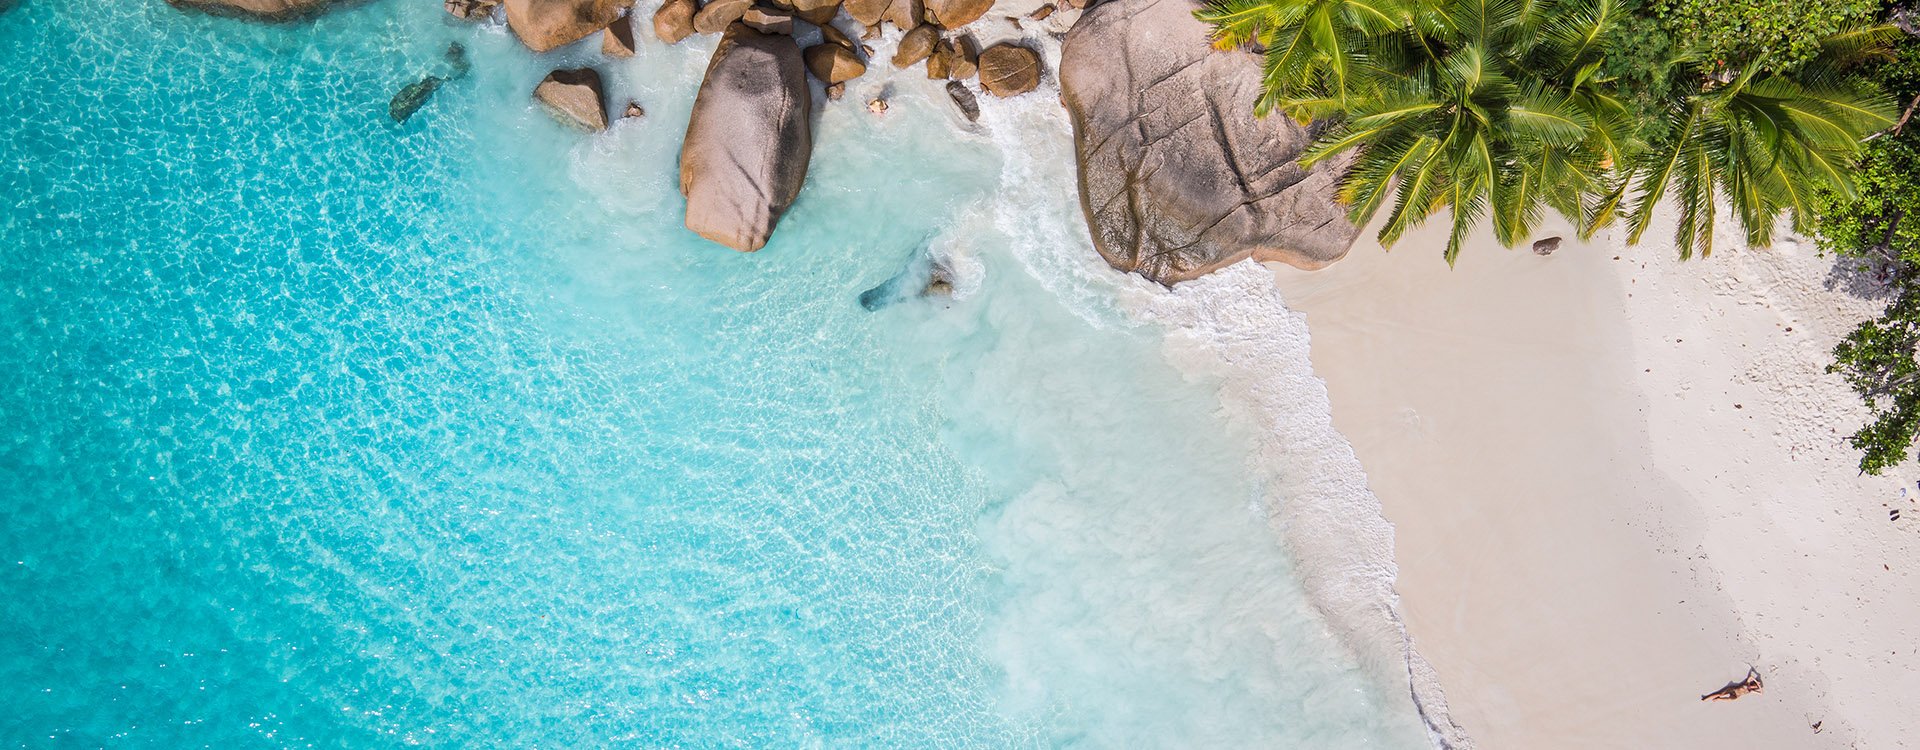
column 1497, row 110
column 1879, row 224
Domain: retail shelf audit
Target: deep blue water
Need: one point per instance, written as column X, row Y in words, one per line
column 322, row 431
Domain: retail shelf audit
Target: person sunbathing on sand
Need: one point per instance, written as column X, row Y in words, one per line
column 1734, row 690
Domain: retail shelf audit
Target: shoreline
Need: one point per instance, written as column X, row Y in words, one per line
column 1548, row 438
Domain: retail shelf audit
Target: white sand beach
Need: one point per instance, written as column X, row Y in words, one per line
column 1617, row 480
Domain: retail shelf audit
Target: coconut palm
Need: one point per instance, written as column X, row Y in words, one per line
column 1495, row 109
column 1766, row 142
column 1481, row 107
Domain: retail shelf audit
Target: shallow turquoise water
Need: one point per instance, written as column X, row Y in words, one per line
column 322, row 431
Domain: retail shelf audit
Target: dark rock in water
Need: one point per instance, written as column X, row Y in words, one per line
column 413, row 97
column 922, row 276
column 963, row 98
column 1546, row 246
column 1176, row 177
column 457, row 59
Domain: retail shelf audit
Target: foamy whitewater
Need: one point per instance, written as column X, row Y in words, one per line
column 325, row 431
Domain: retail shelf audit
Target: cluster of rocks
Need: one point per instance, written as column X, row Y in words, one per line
column 750, row 139
column 1176, row 177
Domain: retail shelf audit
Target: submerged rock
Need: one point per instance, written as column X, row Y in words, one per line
column 749, row 140
column 1177, row 177
column 266, row 10
column 575, row 97
column 545, row 24
column 674, row 20
column 963, row 98
column 413, row 97
column 921, row 276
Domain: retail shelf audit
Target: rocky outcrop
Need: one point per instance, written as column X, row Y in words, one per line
column 545, row 24
column 1177, row 177
column 471, row 10
column 1010, row 70
column 575, row 97
column 916, row 45
column 716, row 15
column 768, row 21
column 963, row 100
column 749, row 140
column 832, row 63
column 268, row 10
column 617, row 41
column 674, row 20
column 954, row 14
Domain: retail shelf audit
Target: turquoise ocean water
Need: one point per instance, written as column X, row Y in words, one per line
column 323, row 431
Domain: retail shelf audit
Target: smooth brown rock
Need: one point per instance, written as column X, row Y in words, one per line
column 832, row 35
column 1177, row 177
column 1009, row 70
column 617, row 40
column 866, row 12
column 816, row 12
column 575, row 97
column 903, row 14
column 951, row 60
column 633, row 110
column 954, row 14
column 545, row 24
column 916, row 45
column 470, row 10
column 768, row 21
column 832, row 63
column 674, row 20
column 267, row 10
column 717, row 15
column 748, row 142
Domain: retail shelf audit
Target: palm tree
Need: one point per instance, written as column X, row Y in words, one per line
column 1764, row 141
column 1497, row 109
column 1482, row 107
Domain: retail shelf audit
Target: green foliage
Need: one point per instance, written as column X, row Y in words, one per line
column 1499, row 109
column 1881, row 223
column 1786, row 32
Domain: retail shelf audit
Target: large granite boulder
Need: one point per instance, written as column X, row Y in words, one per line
column 1009, row 70
column 954, row 14
column 1177, row 177
column 674, row 20
column 575, row 97
column 270, row 10
column 749, row 140
column 545, row 24
column 832, row 63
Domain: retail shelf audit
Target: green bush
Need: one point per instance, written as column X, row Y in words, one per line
column 1784, row 32
column 1881, row 224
